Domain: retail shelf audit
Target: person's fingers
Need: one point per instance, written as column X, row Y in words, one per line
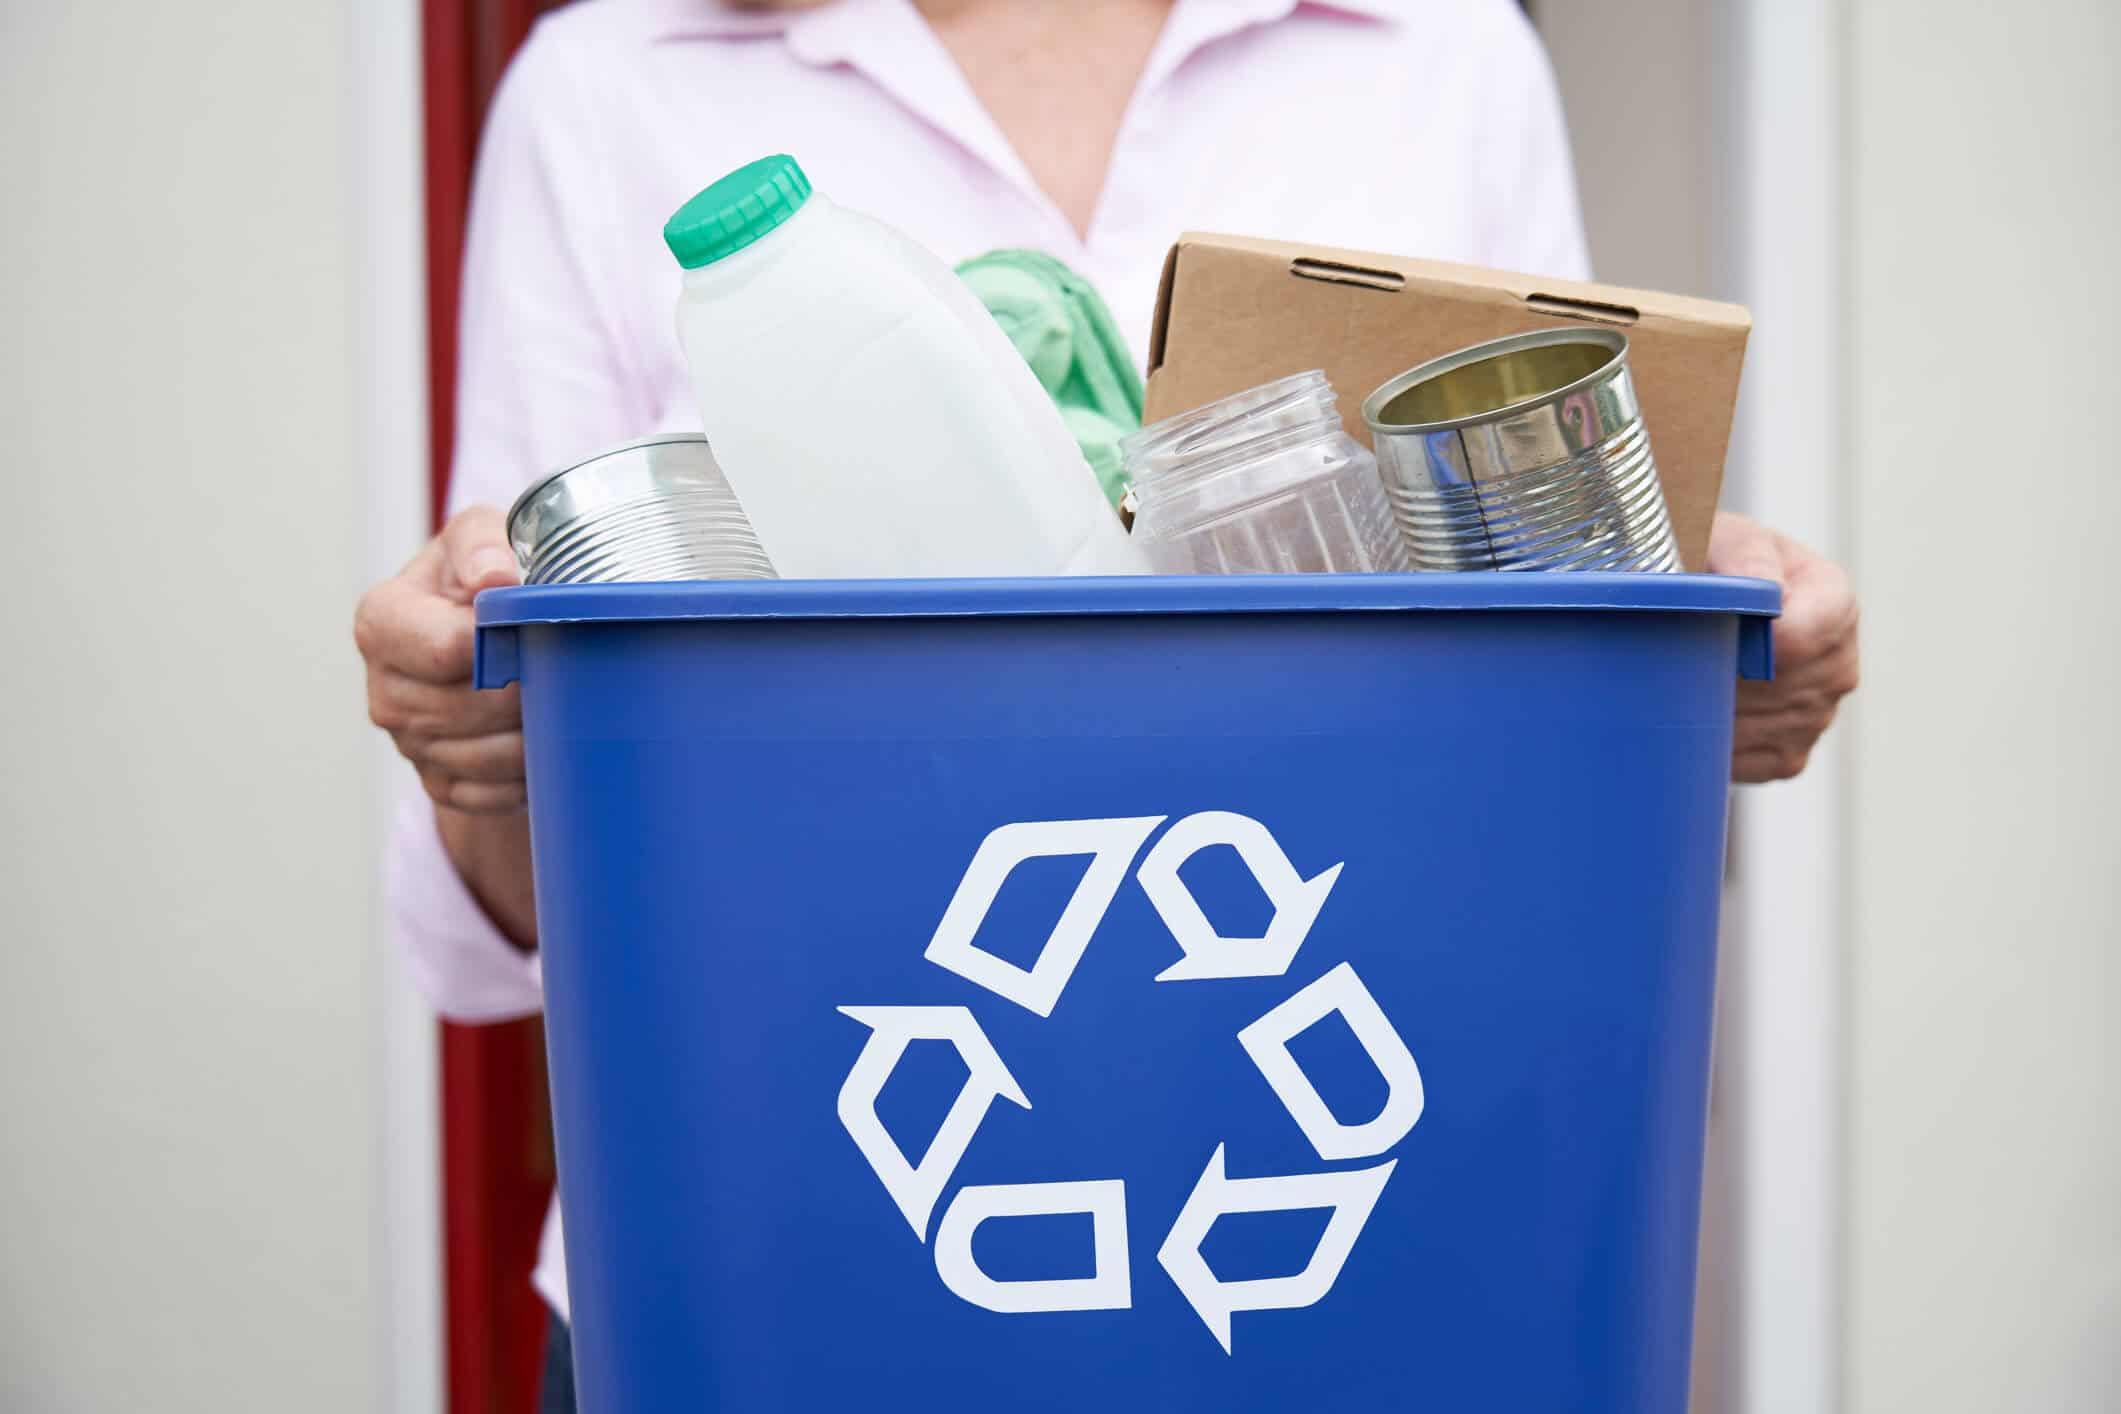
column 1772, row 737
column 1779, row 722
column 1819, row 610
column 476, row 553
column 1845, row 667
column 1760, row 765
column 425, row 567
column 474, row 797
column 1831, row 672
column 496, row 758
column 406, row 628
column 1804, row 689
column 484, row 798
column 1815, row 678
column 1803, row 722
column 1740, row 545
column 398, row 703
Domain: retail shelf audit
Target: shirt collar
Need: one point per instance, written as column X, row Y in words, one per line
column 887, row 41
column 709, row 19
column 705, row 19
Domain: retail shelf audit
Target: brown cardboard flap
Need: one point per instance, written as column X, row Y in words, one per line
column 1234, row 312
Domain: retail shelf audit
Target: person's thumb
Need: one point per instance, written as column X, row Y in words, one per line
column 1739, row 545
column 476, row 554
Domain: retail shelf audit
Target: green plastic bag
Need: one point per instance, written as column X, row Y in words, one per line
column 1065, row 331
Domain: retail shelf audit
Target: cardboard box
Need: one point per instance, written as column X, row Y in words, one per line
column 1234, row 313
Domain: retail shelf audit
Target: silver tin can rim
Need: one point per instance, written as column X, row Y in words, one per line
column 1373, row 406
column 537, row 488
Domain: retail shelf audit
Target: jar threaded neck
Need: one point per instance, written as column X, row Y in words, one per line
column 1181, row 450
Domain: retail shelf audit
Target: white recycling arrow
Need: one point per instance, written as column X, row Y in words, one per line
column 1351, row 1194
column 1109, row 1287
column 1267, row 1042
column 915, row 1187
column 1112, row 843
column 1296, row 900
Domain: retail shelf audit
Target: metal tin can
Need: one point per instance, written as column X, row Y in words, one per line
column 656, row 509
column 1523, row 453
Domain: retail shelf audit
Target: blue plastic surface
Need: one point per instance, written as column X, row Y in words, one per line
column 1157, row 594
column 1481, row 850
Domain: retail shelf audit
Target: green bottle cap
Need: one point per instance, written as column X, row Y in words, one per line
column 737, row 210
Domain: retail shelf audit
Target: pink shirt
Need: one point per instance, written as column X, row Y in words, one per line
column 1418, row 127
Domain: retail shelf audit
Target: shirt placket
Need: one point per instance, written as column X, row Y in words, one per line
column 888, row 43
column 1118, row 223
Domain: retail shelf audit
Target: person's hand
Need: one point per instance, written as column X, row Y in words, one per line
column 414, row 631
column 1816, row 665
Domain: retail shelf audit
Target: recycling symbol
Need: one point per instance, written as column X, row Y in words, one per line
column 1350, row 1193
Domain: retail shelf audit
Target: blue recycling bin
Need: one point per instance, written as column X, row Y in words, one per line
column 1233, row 995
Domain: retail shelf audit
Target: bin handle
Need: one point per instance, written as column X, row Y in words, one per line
column 496, row 656
column 496, row 659
column 1756, row 649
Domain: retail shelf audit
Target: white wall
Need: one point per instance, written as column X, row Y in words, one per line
column 1953, row 1114
column 192, row 1213
column 1637, row 83
column 1984, row 1124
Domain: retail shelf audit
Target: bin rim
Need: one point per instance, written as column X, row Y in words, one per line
column 1130, row 596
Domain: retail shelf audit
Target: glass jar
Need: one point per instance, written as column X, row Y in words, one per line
column 1262, row 482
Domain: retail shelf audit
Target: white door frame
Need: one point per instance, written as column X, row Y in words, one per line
column 386, row 205
column 1783, row 238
